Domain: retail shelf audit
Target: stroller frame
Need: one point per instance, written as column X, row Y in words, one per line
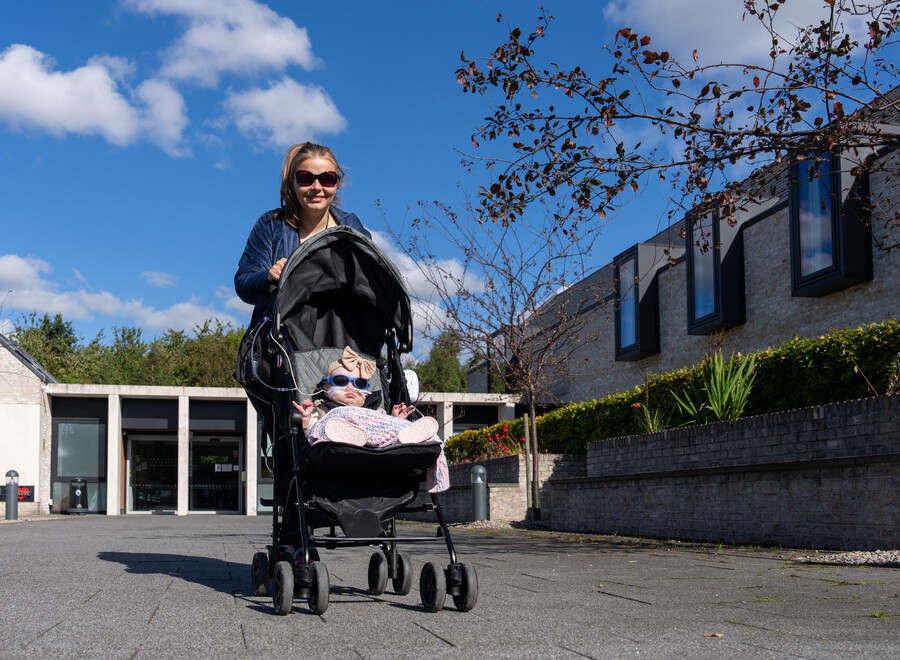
column 300, row 526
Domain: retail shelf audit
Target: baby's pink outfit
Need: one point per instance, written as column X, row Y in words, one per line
column 382, row 430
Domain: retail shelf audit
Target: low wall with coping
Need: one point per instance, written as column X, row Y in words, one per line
column 506, row 496
column 823, row 477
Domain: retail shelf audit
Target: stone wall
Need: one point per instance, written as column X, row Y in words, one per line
column 506, row 496
column 25, row 424
column 823, row 477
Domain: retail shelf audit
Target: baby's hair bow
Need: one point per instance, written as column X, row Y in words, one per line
column 351, row 361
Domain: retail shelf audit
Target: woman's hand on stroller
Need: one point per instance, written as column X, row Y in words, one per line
column 275, row 271
column 306, row 410
column 402, row 410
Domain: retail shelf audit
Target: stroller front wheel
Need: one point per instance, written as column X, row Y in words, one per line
column 403, row 582
column 259, row 574
column 283, row 587
column 378, row 573
column 468, row 589
column 432, row 586
column 319, row 591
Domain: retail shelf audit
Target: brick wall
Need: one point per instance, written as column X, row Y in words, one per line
column 824, row 477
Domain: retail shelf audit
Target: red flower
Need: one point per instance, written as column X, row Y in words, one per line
column 497, row 436
column 505, row 428
column 636, row 405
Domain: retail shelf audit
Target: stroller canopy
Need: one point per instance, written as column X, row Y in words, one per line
column 339, row 289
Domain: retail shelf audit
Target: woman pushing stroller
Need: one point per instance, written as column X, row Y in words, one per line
column 310, row 180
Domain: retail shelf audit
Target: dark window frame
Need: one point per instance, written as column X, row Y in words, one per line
column 729, row 302
column 646, row 311
column 851, row 236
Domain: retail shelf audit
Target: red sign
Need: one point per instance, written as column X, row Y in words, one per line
column 26, row 493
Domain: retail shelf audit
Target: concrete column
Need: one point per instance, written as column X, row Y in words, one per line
column 251, row 461
column 114, row 474
column 506, row 412
column 184, row 455
column 445, row 419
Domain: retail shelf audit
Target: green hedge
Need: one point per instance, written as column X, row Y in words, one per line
column 796, row 374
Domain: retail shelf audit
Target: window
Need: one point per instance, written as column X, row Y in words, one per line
column 637, row 294
column 715, row 275
column 815, row 214
column 703, row 263
column 831, row 247
column 626, row 289
column 81, row 449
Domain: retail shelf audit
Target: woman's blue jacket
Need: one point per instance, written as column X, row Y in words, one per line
column 270, row 240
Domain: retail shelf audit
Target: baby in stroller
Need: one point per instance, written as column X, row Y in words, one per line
column 348, row 413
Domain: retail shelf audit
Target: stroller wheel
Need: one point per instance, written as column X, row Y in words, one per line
column 468, row 590
column 318, row 593
column 432, row 587
column 259, row 574
column 378, row 573
column 403, row 582
column 283, row 587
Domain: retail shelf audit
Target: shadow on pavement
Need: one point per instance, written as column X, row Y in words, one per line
column 214, row 573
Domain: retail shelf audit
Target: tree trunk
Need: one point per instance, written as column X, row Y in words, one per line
column 535, row 471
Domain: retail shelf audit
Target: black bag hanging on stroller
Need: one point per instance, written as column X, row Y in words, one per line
column 338, row 289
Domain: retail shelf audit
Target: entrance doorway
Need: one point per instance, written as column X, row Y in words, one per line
column 152, row 474
column 216, row 465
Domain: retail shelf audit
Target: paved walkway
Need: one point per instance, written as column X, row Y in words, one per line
column 166, row 586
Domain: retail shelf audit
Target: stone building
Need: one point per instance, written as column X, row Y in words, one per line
column 800, row 263
column 141, row 449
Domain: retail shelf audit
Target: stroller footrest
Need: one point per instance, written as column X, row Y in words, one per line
column 266, row 502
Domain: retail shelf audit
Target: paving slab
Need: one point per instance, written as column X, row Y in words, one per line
column 148, row 586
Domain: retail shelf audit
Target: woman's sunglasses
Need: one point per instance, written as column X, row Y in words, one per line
column 340, row 380
column 306, row 179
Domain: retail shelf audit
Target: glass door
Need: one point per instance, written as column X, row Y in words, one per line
column 152, row 475
column 215, row 475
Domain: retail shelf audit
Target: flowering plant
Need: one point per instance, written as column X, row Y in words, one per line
column 505, row 444
column 651, row 422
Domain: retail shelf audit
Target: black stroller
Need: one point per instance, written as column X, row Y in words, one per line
column 338, row 289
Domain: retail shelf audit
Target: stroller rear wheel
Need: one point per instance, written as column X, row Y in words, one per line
column 318, row 592
column 283, row 587
column 432, row 586
column 378, row 573
column 259, row 574
column 402, row 583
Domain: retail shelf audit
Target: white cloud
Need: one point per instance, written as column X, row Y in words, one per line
column 285, row 113
column 164, row 115
column 713, row 27
column 32, row 291
column 232, row 302
column 237, row 36
column 85, row 101
column 158, row 280
column 89, row 100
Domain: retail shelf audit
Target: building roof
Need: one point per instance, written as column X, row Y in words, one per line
column 22, row 356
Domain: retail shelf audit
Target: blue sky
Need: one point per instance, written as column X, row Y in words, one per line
column 140, row 139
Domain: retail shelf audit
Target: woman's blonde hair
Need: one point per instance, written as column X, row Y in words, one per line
column 292, row 159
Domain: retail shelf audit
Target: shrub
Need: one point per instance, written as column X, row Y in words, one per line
column 839, row 366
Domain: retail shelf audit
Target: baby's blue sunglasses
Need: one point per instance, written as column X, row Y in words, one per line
column 340, row 380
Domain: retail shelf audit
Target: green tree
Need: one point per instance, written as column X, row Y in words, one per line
column 53, row 343
column 442, row 371
column 124, row 361
column 211, row 354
